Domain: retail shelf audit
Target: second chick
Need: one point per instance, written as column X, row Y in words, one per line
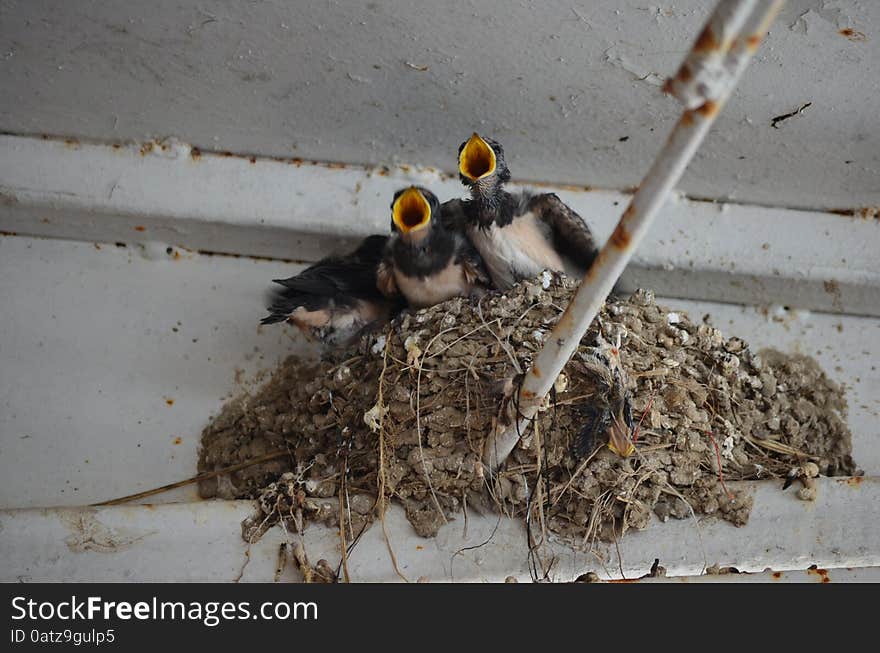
column 425, row 261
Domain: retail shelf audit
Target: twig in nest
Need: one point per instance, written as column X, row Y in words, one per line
column 504, row 346
column 320, row 573
column 381, row 474
column 302, row 561
column 631, row 498
column 655, row 447
column 668, row 489
column 718, row 458
column 617, row 544
column 357, row 538
column 599, row 506
column 574, row 400
column 530, row 539
column 635, row 437
column 538, row 497
column 344, row 499
column 281, row 562
column 419, row 426
column 247, row 561
column 464, row 511
column 779, row 447
column 577, row 473
column 345, row 363
column 343, row 494
column 467, row 406
column 195, row 479
column 459, row 339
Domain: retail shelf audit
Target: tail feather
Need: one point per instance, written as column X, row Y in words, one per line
column 274, row 318
column 285, row 301
column 324, row 283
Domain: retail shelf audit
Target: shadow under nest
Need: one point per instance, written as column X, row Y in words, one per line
column 404, row 416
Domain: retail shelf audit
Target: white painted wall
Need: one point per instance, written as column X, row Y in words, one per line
column 560, row 83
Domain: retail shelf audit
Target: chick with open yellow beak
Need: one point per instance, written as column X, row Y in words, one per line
column 607, row 412
column 425, row 261
column 477, row 160
column 411, row 212
column 619, row 430
column 518, row 235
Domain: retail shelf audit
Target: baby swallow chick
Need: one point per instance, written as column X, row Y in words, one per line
column 337, row 298
column 519, row 235
column 608, row 415
column 425, row 260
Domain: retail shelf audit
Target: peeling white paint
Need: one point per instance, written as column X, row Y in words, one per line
column 88, row 533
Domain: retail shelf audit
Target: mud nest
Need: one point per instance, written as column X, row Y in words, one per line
column 404, row 417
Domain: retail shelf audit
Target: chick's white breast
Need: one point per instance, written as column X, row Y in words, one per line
column 421, row 292
column 517, row 251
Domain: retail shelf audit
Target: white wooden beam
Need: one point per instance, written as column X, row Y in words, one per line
column 289, row 209
column 169, row 543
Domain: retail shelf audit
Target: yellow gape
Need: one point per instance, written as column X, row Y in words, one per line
column 477, row 159
column 411, row 211
column 618, row 438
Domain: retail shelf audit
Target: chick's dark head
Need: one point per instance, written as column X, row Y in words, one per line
column 481, row 165
column 412, row 211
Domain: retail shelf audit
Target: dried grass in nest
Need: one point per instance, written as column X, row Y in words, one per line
column 405, row 416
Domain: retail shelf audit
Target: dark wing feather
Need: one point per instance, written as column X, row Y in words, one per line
column 596, row 420
column 285, row 302
column 336, row 281
column 452, row 215
column 571, row 236
column 472, row 263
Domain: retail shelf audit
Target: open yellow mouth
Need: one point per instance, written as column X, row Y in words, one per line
column 618, row 439
column 477, row 159
column 411, row 211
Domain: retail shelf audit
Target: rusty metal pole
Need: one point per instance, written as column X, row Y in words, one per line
column 703, row 83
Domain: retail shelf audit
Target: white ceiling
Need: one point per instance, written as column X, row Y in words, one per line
column 570, row 88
